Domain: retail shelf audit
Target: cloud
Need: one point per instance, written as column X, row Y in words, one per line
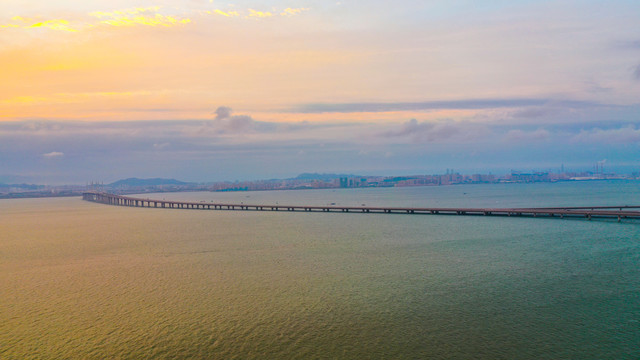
column 148, row 16
column 223, row 112
column 160, row 134
column 224, row 13
column 517, row 135
column 634, row 44
column 240, row 123
column 292, row 11
column 624, row 135
column 535, row 112
column 225, row 122
column 160, row 146
column 34, row 23
column 136, row 16
column 636, row 72
column 410, row 127
column 231, row 146
column 259, row 14
column 53, row 154
column 446, row 104
column 56, row 24
column 420, row 132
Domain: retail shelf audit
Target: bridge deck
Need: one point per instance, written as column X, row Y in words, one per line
column 616, row 212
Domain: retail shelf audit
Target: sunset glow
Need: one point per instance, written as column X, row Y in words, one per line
column 552, row 73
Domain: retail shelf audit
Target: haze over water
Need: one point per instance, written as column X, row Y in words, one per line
column 86, row 280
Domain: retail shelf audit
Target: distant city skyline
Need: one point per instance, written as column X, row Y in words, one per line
column 308, row 181
column 594, row 168
column 202, row 90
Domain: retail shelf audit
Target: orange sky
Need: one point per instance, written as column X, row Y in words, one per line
column 429, row 84
column 123, row 63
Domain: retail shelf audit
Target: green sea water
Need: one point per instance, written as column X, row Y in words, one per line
column 81, row 280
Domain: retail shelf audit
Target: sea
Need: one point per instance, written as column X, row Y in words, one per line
column 81, row 280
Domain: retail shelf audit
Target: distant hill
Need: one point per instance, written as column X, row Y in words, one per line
column 323, row 177
column 133, row 182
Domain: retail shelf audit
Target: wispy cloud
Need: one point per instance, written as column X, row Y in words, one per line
column 35, row 23
column 293, row 11
column 230, row 13
column 154, row 16
column 444, row 130
column 53, row 154
column 67, row 98
column 519, row 136
column 432, row 105
column 143, row 16
column 623, row 135
column 56, row 24
column 259, row 14
column 534, row 112
column 148, row 16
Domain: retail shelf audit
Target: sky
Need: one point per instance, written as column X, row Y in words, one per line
column 202, row 90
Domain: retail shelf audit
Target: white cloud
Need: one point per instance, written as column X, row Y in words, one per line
column 623, row 135
column 53, row 154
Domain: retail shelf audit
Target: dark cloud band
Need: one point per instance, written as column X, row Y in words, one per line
column 436, row 105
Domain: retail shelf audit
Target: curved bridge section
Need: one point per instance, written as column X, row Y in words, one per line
column 615, row 212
